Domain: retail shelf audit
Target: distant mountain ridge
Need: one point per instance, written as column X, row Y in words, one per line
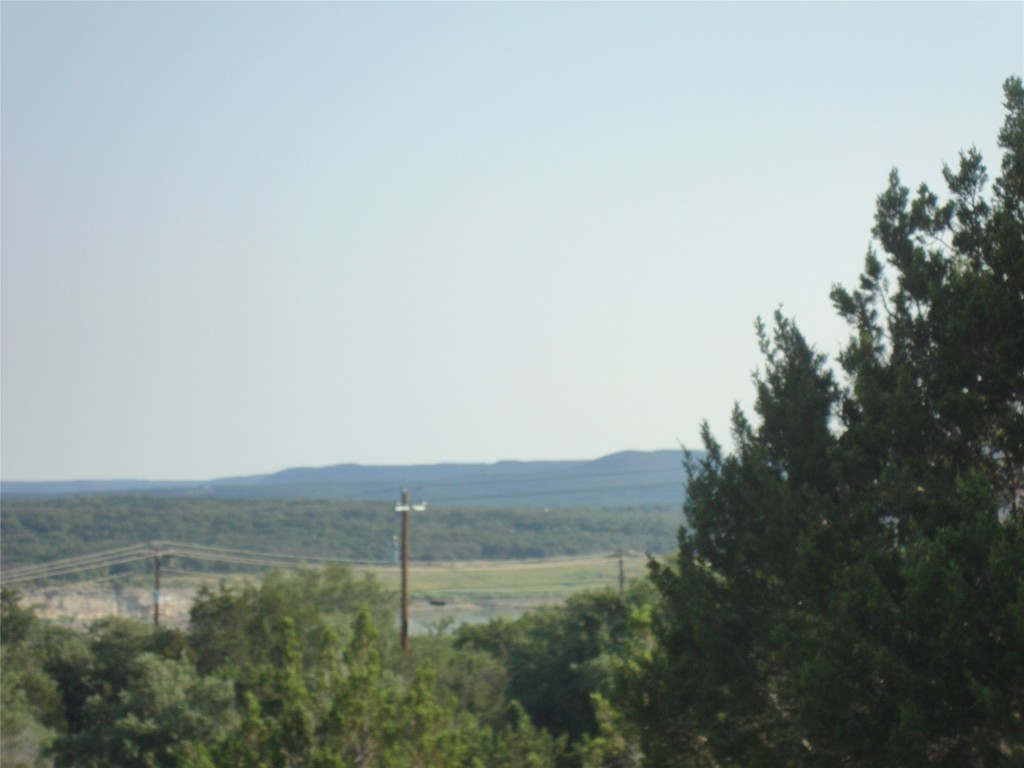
column 627, row 478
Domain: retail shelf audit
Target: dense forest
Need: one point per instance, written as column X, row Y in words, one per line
column 847, row 587
column 37, row 530
column 303, row 669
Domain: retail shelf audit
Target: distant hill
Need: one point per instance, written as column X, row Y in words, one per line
column 629, row 478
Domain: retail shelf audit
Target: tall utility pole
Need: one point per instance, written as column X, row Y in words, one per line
column 622, row 573
column 405, row 508
column 156, row 586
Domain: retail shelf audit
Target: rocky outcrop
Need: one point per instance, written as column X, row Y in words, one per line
column 81, row 604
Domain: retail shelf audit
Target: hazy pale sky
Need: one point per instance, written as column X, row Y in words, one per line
column 243, row 237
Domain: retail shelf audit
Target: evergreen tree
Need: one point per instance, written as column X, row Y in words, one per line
column 850, row 588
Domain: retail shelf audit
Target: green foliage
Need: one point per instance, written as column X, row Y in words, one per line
column 556, row 659
column 39, row 530
column 616, row 744
column 16, row 622
column 349, row 707
column 315, row 684
column 114, row 696
column 30, row 706
column 849, row 589
column 238, row 626
column 475, row 679
column 162, row 705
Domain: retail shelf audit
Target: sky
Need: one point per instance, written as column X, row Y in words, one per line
column 241, row 237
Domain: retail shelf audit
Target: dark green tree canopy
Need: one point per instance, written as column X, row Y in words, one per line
column 850, row 588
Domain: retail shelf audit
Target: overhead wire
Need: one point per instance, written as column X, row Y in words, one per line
column 50, row 570
column 79, row 560
column 140, row 552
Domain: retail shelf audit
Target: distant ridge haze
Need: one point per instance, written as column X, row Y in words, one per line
column 626, row 478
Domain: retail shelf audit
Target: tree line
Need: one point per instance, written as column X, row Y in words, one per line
column 304, row 669
column 38, row 530
column 850, row 587
column 847, row 587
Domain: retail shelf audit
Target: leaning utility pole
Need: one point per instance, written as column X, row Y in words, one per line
column 405, row 508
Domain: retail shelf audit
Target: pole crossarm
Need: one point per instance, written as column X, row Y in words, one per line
column 405, row 508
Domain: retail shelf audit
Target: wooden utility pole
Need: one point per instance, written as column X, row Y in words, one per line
column 405, row 508
column 622, row 573
column 156, row 587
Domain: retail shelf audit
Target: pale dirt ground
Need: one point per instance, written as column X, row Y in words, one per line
column 80, row 604
column 471, row 591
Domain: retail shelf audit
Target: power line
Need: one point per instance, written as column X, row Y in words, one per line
column 48, row 570
column 158, row 551
column 124, row 555
column 80, row 560
column 202, row 551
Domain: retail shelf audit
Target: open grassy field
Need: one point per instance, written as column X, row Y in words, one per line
column 457, row 591
column 552, row 579
column 443, row 594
